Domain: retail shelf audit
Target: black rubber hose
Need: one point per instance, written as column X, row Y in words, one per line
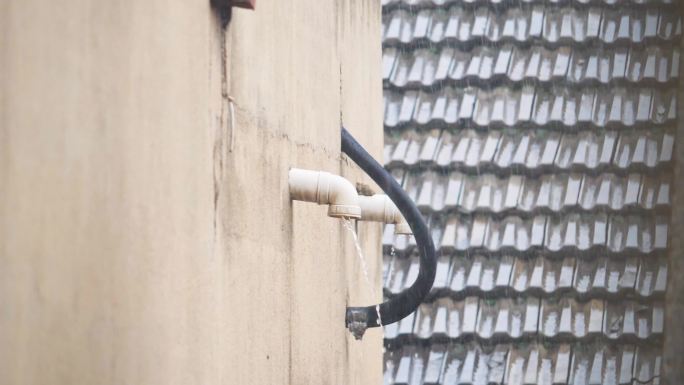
column 407, row 301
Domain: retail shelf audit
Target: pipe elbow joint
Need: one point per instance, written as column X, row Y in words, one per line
column 325, row 188
column 380, row 208
column 343, row 198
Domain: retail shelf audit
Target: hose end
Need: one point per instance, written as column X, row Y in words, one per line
column 357, row 321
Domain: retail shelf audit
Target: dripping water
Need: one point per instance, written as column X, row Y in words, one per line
column 362, row 259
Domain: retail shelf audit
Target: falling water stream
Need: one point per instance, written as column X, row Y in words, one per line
column 364, row 265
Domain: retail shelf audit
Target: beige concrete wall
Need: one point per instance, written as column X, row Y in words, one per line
column 139, row 244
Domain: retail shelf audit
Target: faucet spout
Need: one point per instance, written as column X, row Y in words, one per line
column 380, row 208
column 325, row 188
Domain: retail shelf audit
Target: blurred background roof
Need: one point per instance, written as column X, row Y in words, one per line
column 537, row 138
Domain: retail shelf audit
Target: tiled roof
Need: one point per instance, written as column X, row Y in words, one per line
column 532, row 150
column 536, row 137
column 426, row 67
column 539, row 24
column 390, row 4
column 456, row 191
column 513, row 276
column 518, row 364
column 509, row 319
column 572, row 233
column 511, row 107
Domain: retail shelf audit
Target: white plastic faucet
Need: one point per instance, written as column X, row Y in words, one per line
column 380, row 208
column 325, row 188
column 343, row 200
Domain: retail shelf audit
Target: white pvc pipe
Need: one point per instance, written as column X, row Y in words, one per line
column 380, row 208
column 325, row 188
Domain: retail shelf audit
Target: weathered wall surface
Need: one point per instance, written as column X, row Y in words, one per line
column 144, row 238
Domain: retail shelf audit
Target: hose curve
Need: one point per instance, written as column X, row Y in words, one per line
column 359, row 318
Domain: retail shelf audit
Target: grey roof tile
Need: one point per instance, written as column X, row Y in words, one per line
column 476, row 365
column 632, row 321
column 604, row 364
column 647, row 362
column 448, row 319
column 482, row 232
column 523, row 364
column 402, row 273
column 595, row 277
column 542, row 275
column 429, row 68
column 504, row 107
column 548, row 25
column 532, row 150
column 623, row 319
column 571, row 319
column 575, row 231
column 435, row 191
column 388, row 4
column 616, row 234
column 479, row 274
column 446, row 365
column 637, row 233
column 508, row 319
column 408, row 150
